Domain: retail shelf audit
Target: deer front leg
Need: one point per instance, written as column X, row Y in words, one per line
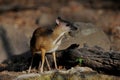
column 54, row 58
column 43, row 51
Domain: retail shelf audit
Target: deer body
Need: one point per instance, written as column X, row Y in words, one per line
column 47, row 40
column 50, row 42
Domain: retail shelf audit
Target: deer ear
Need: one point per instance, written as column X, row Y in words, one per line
column 57, row 21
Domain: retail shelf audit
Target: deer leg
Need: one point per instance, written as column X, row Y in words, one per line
column 48, row 63
column 31, row 64
column 43, row 51
column 54, row 58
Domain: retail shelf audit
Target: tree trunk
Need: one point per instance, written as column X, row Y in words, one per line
column 94, row 57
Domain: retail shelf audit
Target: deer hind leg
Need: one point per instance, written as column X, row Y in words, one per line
column 31, row 64
column 54, row 58
column 47, row 63
column 43, row 51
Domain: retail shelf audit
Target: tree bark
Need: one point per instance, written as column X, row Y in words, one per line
column 94, row 57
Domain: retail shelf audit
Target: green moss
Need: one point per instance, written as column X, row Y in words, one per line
column 80, row 60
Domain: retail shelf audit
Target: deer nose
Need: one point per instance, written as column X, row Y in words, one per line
column 73, row 28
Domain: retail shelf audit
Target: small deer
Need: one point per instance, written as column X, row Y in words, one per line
column 46, row 40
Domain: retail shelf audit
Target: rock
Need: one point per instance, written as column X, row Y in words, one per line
column 66, row 75
column 12, row 42
column 115, row 38
column 87, row 33
column 71, row 74
column 45, row 20
column 24, row 76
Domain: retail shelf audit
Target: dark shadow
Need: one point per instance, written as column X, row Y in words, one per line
column 13, row 62
column 22, row 62
column 5, row 42
column 17, row 62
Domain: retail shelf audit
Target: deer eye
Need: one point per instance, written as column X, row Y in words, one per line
column 67, row 24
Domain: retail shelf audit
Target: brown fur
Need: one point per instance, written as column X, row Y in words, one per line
column 43, row 38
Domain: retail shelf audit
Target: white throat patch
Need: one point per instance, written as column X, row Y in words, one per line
column 59, row 38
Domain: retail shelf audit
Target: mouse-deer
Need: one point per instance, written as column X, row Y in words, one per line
column 46, row 40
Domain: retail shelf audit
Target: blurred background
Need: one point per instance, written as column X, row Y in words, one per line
column 19, row 18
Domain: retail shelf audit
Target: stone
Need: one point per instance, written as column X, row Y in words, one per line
column 71, row 74
column 45, row 20
column 12, row 42
column 115, row 38
column 87, row 33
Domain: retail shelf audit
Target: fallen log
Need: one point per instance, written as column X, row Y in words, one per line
column 93, row 57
